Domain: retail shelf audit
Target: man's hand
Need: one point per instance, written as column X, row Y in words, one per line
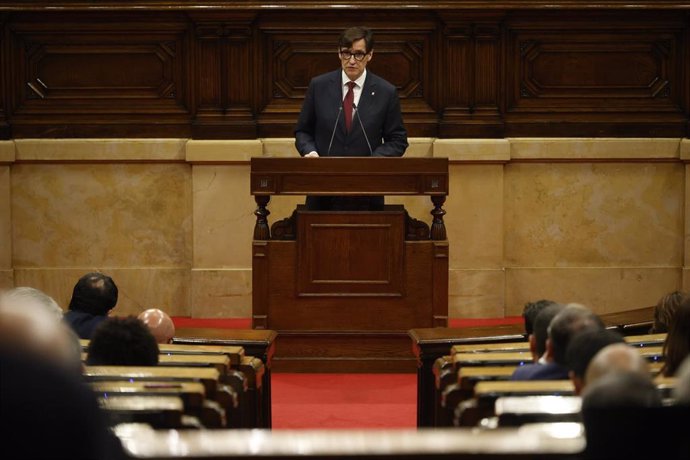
column 311, row 155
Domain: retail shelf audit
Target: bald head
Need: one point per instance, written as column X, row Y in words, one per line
column 160, row 324
column 618, row 357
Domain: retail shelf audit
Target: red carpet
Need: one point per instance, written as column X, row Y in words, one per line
column 246, row 323
column 344, row 400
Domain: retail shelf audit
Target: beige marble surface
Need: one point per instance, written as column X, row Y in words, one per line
column 221, row 293
column 100, row 150
column 5, row 219
column 172, row 220
column 138, row 288
column 604, row 290
column 594, row 215
column 117, row 215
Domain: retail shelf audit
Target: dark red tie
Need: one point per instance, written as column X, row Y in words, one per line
column 347, row 105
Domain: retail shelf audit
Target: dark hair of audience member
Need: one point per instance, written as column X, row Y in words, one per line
column 572, row 320
column 664, row 311
column 94, row 293
column 541, row 325
column 122, row 342
column 584, row 346
column 677, row 343
column 530, row 312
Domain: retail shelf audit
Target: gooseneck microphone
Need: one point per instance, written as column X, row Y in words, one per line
column 335, row 125
column 366, row 138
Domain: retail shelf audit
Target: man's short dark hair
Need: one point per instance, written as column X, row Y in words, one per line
column 122, row 342
column 541, row 325
column 530, row 312
column 584, row 346
column 94, row 293
column 573, row 319
column 351, row 35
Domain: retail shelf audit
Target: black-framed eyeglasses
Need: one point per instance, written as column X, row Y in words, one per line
column 346, row 55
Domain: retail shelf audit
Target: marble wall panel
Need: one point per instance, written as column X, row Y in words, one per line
column 221, row 293
column 594, row 214
column 476, row 293
column 114, row 215
column 5, row 219
column 605, row 290
column 138, row 288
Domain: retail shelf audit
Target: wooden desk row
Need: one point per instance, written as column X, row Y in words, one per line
column 230, row 379
column 429, row 344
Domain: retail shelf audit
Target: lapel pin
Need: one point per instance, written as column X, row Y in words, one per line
column 372, row 93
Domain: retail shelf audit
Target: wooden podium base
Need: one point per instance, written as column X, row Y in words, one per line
column 384, row 352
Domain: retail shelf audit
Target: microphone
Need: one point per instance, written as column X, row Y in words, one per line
column 366, row 138
column 335, row 125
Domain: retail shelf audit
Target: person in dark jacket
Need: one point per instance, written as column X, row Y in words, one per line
column 93, row 297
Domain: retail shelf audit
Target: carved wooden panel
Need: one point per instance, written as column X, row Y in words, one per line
column 582, row 70
column 350, row 255
column 98, row 71
column 240, row 71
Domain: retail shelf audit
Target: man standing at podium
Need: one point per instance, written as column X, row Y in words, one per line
column 350, row 112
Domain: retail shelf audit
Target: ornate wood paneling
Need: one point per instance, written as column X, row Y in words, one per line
column 240, row 70
column 594, row 74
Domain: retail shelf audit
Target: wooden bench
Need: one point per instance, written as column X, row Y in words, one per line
column 520, row 410
column 193, row 395
column 544, row 441
column 209, row 377
column 507, row 347
column 646, row 340
column 259, row 343
column 159, row 411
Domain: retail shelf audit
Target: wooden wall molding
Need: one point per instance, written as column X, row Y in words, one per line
column 238, row 70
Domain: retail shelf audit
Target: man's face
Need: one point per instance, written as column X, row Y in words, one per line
column 355, row 59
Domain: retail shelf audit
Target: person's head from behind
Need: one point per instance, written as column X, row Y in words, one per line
column 616, row 358
column 569, row 322
column 541, row 329
column 122, row 342
column 582, row 349
column 355, row 49
column 28, row 298
column 159, row 323
column 677, row 343
column 621, row 390
column 94, row 293
column 529, row 315
column 664, row 311
column 31, row 322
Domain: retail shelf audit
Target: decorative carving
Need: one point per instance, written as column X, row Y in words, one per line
column 438, row 228
column 261, row 230
column 285, row 229
column 415, row 230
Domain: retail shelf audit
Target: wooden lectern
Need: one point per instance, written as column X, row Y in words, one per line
column 342, row 288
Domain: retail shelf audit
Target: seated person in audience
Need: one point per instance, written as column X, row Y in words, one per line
column 623, row 418
column 570, row 321
column 35, row 320
column 664, row 311
column 618, row 357
column 159, row 323
column 529, row 314
column 93, row 297
column 122, row 342
column 677, row 343
column 681, row 392
column 582, row 349
column 46, row 410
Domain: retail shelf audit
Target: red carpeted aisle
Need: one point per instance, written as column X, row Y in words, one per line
column 344, row 400
column 341, row 400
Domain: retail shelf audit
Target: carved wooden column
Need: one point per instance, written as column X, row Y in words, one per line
column 472, row 59
column 224, row 77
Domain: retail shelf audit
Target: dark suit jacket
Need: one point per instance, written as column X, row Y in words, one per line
column 378, row 111
column 550, row 371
